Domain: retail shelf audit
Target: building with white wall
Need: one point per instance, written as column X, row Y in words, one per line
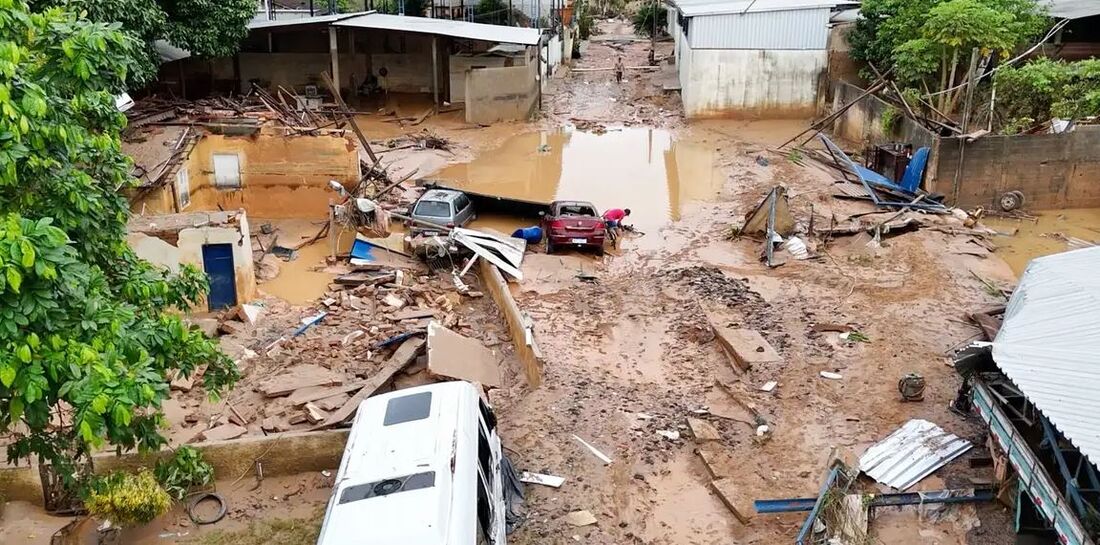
column 751, row 57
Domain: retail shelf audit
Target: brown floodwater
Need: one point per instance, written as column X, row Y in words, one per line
column 1043, row 236
column 645, row 170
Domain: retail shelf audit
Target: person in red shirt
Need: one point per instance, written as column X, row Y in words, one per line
column 614, row 220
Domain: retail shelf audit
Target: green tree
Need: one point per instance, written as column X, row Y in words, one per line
column 88, row 341
column 928, row 42
column 206, row 28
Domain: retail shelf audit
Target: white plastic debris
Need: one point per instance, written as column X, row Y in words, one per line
column 797, row 248
column 769, row 386
column 671, row 435
column 831, row 376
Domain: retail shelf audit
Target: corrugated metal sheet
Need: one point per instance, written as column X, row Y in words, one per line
column 1073, row 9
column 444, row 27
column 691, row 8
column 318, row 19
column 1050, row 341
column 911, row 453
column 793, row 29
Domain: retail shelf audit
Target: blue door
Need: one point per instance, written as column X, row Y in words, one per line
column 217, row 261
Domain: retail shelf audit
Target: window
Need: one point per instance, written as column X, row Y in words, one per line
column 227, row 171
column 487, row 415
column 576, row 210
column 386, row 487
column 433, row 209
column 408, row 408
column 183, row 187
column 484, row 510
column 461, row 202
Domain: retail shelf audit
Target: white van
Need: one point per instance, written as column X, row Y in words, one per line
column 422, row 466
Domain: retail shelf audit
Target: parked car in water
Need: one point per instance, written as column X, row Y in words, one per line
column 422, row 466
column 573, row 223
column 443, row 207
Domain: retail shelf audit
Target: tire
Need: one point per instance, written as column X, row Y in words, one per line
column 600, row 250
column 549, row 246
column 1010, row 201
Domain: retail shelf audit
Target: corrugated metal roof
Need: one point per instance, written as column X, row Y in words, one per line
column 444, row 27
column 1073, row 9
column 911, row 453
column 789, row 29
column 1050, row 341
column 317, row 19
column 694, row 8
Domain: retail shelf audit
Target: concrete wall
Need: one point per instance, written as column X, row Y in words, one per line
column 405, row 72
column 281, row 176
column 746, row 82
column 1052, row 170
column 519, row 326
column 187, row 250
column 153, row 200
column 281, row 454
column 501, row 94
column 863, row 121
column 460, row 64
column 293, row 70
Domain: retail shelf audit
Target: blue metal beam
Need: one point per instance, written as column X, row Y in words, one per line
column 808, row 526
column 794, row 505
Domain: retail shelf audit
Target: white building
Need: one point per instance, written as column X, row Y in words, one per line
column 751, row 57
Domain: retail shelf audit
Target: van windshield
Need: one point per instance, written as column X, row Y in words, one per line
column 433, row 209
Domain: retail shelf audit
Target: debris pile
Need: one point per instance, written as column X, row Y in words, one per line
column 372, row 328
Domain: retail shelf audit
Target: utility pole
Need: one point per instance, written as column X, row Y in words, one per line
column 510, row 21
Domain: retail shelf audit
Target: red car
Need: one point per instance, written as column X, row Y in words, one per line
column 573, row 223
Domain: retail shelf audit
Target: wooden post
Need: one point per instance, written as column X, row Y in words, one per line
column 333, row 51
column 332, row 233
column 435, row 72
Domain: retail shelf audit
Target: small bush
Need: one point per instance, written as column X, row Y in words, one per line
column 185, row 470
column 127, row 499
column 891, row 120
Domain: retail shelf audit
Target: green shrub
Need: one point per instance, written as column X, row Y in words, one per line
column 643, row 19
column 185, row 470
column 127, row 499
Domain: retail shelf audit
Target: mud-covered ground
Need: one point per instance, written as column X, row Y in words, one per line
column 632, row 353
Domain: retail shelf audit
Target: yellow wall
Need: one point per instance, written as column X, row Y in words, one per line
column 157, row 200
column 281, row 176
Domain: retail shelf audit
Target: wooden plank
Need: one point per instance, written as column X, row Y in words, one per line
column 401, row 358
column 313, row 393
column 286, row 384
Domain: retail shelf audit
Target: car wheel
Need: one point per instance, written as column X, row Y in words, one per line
column 549, row 246
column 1010, row 201
column 600, row 250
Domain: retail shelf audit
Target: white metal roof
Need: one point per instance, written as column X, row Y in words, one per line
column 444, row 27
column 911, row 453
column 693, row 8
column 1073, row 9
column 1049, row 344
column 295, row 21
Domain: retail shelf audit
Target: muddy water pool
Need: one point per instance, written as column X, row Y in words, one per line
column 646, row 170
column 1044, row 235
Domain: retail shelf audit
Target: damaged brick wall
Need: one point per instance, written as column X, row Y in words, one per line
column 281, row 176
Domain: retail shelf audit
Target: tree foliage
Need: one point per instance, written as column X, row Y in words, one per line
column 928, row 42
column 206, row 28
column 1043, row 89
column 87, row 344
column 643, row 19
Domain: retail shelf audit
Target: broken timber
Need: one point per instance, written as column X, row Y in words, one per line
column 401, row 358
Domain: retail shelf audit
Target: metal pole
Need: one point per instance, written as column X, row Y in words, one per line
column 333, row 50
column 653, row 37
column 511, row 22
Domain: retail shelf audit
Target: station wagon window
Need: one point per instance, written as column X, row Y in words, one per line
column 433, row 209
column 484, row 455
column 461, row 202
column 408, row 408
